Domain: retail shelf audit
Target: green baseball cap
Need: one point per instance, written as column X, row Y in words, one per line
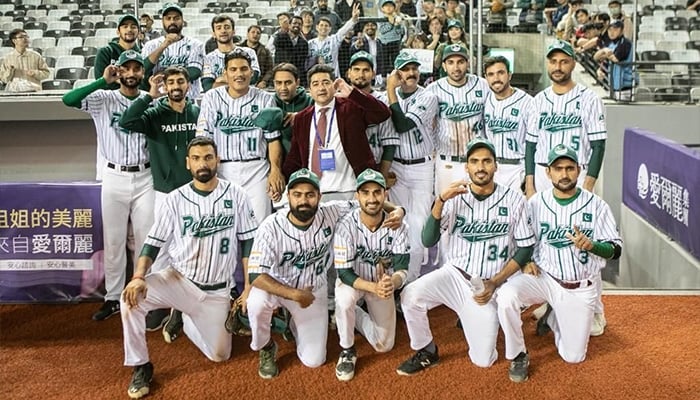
column 480, row 143
column 171, row 7
column 370, row 175
column 125, row 18
column 561, row 151
column 362, row 56
column 270, row 119
column 303, row 175
column 455, row 49
column 454, row 23
column 562, row 46
column 403, row 59
column 130, row 55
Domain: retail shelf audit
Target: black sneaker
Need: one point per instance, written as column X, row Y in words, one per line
column 345, row 368
column 109, row 308
column 421, row 360
column 542, row 327
column 267, row 367
column 173, row 328
column 155, row 319
column 517, row 372
column 141, row 381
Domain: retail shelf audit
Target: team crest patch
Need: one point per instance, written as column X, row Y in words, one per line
column 514, row 112
column 503, row 211
column 327, row 231
column 389, row 240
column 254, row 108
column 228, row 203
column 587, row 217
column 478, row 93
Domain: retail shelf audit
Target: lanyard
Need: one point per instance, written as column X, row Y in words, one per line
column 328, row 134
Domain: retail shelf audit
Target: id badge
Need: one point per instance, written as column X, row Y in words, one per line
column 327, row 160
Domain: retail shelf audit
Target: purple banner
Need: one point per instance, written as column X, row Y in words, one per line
column 50, row 242
column 661, row 183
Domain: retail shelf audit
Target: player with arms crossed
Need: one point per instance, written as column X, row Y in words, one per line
column 506, row 114
column 576, row 234
column 489, row 240
column 288, row 267
column 206, row 219
column 372, row 262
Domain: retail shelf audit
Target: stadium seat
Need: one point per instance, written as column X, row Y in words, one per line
column 655, row 36
column 676, row 27
column 35, row 25
column 82, row 82
column 645, row 45
column 106, row 24
column 93, row 18
column 654, row 79
column 54, row 84
column 47, row 7
column 671, row 94
column 695, row 35
column 669, row 45
column 72, row 74
column 89, row 61
column 95, row 42
column 656, row 55
column 82, row 25
column 84, row 51
column 268, row 22
column 50, row 61
column 216, row 4
column 56, row 33
column 82, row 33
column 70, row 18
column 56, row 52
column 695, row 94
column 43, row 42
column 674, row 7
column 70, row 62
column 212, row 10
column 234, row 10
column 685, row 80
column 676, row 36
column 251, row 16
column 8, row 26
column 70, row 42
column 676, row 20
column 241, row 4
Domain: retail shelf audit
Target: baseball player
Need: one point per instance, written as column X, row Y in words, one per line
column 288, row 265
column 207, row 220
column 169, row 125
column 413, row 112
column 371, row 261
column 323, row 49
column 227, row 115
column 576, row 234
column 383, row 138
column 506, row 113
column 571, row 114
column 461, row 97
column 223, row 28
column 489, row 240
column 127, row 184
column 176, row 49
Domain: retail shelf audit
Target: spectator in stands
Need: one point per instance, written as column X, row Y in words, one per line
column 264, row 57
column 554, row 15
column 283, row 21
column 408, row 7
column 308, row 27
column 436, row 34
column 616, row 58
column 693, row 5
column 603, row 18
column 440, row 13
column 574, row 20
column 531, row 11
column 392, row 32
column 591, row 33
column 454, row 12
column 290, row 96
column 497, row 17
column 295, row 8
column 324, row 48
column 323, row 11
column 367, row 41
column 419, row 41
column 22, row 70
column 455, row 35
column 615, row 8
column 565, row 28
column 291, row 47
column 213, row 76
column 127, row 35
column 428, row 11
column 147, row 32
column 344, row 9
column 345, row 49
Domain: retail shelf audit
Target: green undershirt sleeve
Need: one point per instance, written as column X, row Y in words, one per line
column 523, row 255
column 252, row 277
column 194, row 73
column 207, row 84
column 603, row 249
column 150, row 251
column 131, row 119
column 400, row 262
column 76, row 96
column 530, row 158
column 597, row 154
column 431, row 232
column 388, row 153
column 401, row 123
column 246, row 246
column 347, row 276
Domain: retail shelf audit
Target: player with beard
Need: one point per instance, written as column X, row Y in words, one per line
column 210, row 222
column 176, row 49
column 223, row 28
column 127, row 184
column 489, row 239
column 288, row 264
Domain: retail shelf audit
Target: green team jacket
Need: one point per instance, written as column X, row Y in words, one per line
column 110, row 54
column 168, row 134
column 299, row 102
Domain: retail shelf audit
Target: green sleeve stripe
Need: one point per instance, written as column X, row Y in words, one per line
column 431, row 232
column 246, row 246
column 150, row 251
column 603, row 249
column 347, row 276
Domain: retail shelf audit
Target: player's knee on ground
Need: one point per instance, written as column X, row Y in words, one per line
column 384, row 346
column 572, row 357
column 483, row 359
column 313, row 361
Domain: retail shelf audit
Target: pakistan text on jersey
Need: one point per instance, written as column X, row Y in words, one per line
column 559, row 122
column 372, row 256
column 557, row 237
column 178, row 127
column 477, row 231
column 500, row 125
column 307, row 258
column 207, row 225
column 460, row 111
column 234, row 123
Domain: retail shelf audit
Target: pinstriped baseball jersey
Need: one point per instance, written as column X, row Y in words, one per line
column 422, row 108
column 186, row 52
column 382, row 135
column 229, row 122
column 205, row 230
column 295, row 257
column 461, row 113
column 214, row 62
column 358, row 248
column 505, row 123
column 328, row 48
column 575, row 119
column 484, row 235
column 551, row 222
column 118, row 145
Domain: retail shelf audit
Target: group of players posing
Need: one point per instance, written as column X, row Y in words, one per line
column 204, row 227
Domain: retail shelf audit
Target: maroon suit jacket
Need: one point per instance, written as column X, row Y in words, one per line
column 353, row 114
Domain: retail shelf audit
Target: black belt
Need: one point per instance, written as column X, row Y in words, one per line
column 510, row 161
column 453, row 158
column 250, row 159
column 211, row 287
column 128, row 168
column 412, row 162
column 464, row 273
column 572, row 285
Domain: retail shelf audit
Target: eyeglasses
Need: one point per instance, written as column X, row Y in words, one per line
column 21, row 37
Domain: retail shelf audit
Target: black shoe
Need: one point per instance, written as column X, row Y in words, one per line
column 109, row 308
column 421, row 360
column 141, row 381
column 173, row 328
column 155, row 319
column 517, row 372
column 542, row 327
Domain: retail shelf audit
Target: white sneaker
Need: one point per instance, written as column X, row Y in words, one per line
column 598, row 325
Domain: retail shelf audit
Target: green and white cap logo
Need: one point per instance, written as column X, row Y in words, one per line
column 370, row 175
column 561, row 151
column 303, row 175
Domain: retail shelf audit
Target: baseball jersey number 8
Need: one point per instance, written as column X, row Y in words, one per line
column 225, row 245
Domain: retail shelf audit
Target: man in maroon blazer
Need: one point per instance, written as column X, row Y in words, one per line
column 329, row 136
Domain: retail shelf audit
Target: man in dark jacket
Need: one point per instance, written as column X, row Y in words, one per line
column 290, row 97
